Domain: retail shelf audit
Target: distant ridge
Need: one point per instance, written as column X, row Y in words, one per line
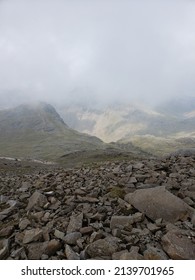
column 37, row 131
column 161, row 130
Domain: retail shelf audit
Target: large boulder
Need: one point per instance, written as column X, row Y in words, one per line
column 158, row 203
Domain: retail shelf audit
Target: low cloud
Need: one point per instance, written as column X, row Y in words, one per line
column 101, row 51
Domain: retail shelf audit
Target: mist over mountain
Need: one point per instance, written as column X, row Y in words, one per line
column 180, row 106
column 37, row 131
column 97, row 130
column 161, row 129
column 115, row 70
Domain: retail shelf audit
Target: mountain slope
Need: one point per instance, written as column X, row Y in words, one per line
column 37, row 131
column 111, row 123
column 160, row 130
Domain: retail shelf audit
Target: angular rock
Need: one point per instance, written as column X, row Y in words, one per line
column 117, row 255
column 120, row 222
column 178, row 246
column 96, row 235
column 70, row 254
column 32, row 235
column 36, row 200
column 152, row 227
column 101, row 247
column 193, row 219
column 153, row 253
column 59, row 234
column 71, row 238
column 86, row 230
column 8, row 211
column 37, row 249
column 76, row 222
column 19, row 254
column 52, row 246
column 4, row 249
column 125, row 221
column 24, row 223
column 132, row 180
column 159, row 203
column 7, row 231
column 132, row 255
column 87, row 199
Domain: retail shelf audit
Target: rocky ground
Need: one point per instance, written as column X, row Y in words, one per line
column 126, row 210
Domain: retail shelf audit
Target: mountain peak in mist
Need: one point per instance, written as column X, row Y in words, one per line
column 36, row 130
column 37, row 116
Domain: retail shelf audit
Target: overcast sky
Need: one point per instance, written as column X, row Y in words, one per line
column 96, row 50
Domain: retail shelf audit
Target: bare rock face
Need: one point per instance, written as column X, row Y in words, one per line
column 159, row 203
column 178, row 246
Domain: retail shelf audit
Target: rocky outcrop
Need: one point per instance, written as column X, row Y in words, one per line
column 127, row 210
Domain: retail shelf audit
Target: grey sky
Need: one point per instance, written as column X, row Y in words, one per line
column 96, row 50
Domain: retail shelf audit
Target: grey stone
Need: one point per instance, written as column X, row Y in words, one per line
column 70, row 254
column 178, row 246
column 36, row 200
column 24, row 223
column 71, row 238
column 102, row 247
column 59, row 234
column 153, row 253
column 7, row 231
column 117, row 255
column 132, row 255
column 125, row 221
column 4, row 249
column 51, row 247
column 32, row 235
column 76, row 222
column 37, row 249
column 159, row 203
